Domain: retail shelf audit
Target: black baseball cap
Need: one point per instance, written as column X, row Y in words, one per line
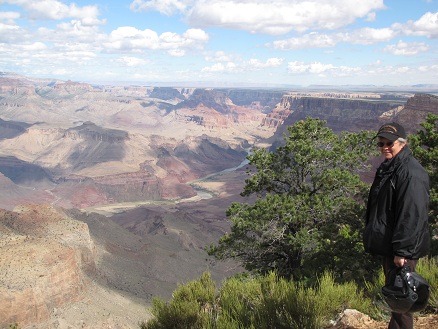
column 391, row 131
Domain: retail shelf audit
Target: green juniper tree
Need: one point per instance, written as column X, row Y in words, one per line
column 309, row 205
column 424, row 145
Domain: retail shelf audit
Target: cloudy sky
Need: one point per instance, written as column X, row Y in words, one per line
column 234, row 42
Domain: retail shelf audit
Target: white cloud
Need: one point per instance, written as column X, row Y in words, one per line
column 36, row 46
column 406, row 49
column 318, row 68
column 75, row 29
column 9, row 17
column 427, row 26
column 61, row 71
column 82, row 28
column 221, row 67
column 128, row 38
column 57, row 10
column 347, row 71
column 374, row 73
column 132, row 61
column 270, row 63
column 311, row 40
column 371, row 17
column 274, row 17
column 167, row 7
column 367, row 36
column 196, row 34
column 218, row 67
column 279, row 16
column 402, row 70
column 220, row 56
column 363, row 36
column 176, row 52
column 242, row 66
column 9, row 33
column 431, row 68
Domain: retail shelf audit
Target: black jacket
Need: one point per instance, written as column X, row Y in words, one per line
column 397, row 211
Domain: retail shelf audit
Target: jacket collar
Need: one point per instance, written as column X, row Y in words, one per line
column 388, row 166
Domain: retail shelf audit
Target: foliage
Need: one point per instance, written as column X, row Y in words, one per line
column 428, row 268
column 270, row 301
column 424, row 145
column 309, row 207
column 262, row 302
column 190, row 307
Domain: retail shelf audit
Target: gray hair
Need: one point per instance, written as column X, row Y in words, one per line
column 402, row 140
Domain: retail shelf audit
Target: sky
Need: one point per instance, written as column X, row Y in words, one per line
column 222, row 42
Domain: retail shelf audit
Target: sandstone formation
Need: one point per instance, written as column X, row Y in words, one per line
column 347, row 114
column 340, row 114
column 43, row 259
column 416, row 110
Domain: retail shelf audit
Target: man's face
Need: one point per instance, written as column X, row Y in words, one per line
column 390, row 149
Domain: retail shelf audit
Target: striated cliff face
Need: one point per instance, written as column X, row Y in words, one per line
column 281, row 111
column 351, row 114
column 167, row 93
column 416, row 110
column 213, row 109
column 340, row 114
column 263, row 100
column 44, row 257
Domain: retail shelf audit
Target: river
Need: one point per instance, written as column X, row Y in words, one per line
column 201, row 194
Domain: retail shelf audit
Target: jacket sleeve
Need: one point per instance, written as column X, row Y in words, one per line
column 411, row 214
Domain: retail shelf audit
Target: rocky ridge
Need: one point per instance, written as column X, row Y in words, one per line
column 341, row 114
column 351, row 114
column 416, row 110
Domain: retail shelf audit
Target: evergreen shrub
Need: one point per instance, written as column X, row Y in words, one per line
column 264, row 302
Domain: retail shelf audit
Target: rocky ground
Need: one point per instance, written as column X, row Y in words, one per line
column 100, row 308
column 352, row 319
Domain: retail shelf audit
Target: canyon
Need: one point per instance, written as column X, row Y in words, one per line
column 110, row 194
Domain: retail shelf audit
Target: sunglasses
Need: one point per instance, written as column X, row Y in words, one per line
column 388, row 144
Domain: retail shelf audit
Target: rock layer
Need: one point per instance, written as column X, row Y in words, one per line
column 44, row 256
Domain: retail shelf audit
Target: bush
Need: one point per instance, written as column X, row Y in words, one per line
column 428, row 268
column 262, row 302
column 190, row 307
column 334, row 298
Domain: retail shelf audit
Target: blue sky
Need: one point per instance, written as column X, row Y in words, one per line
column 223, row 42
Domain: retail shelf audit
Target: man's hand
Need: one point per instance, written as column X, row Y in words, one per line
column 399, row 261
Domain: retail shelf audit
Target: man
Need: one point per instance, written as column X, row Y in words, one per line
column 397, row 211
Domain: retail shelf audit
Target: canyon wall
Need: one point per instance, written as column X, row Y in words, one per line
column 416, row 110
column 44, row 257
column 351, row 114
column 340, row 114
